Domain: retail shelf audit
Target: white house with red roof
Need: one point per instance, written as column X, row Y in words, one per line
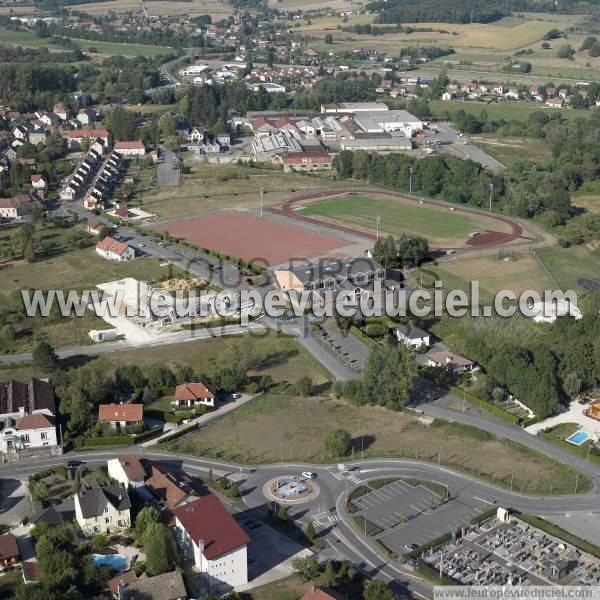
column 74, row 138
column 38, row 181
column 194, row 394
column 212, row 538
column 29, row 432
column 115, row 250
column 130, row 148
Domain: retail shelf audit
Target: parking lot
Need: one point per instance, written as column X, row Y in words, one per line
column 413, row 514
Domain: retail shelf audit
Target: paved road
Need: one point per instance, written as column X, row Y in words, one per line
column 167, row 173
column 328, row 507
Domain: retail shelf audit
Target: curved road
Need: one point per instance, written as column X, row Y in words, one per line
column 342, row 534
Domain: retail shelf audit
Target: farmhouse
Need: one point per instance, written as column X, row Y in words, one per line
column 194, row 394
column 121, row 415
column 130, row 148
column 12, row 208
column 102, row 509
column 212, row 538
column 111, row 248
column 307, row 162
column 19, row 399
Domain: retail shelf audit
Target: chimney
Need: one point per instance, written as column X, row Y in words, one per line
column 201, row 546
column 448, row 360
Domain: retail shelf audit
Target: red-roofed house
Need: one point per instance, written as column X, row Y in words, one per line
column 9, row 551
column 211, row 537
column 111, row 248
column 31, row 431
column 194, row 394
column 11, row 208
column 74, row 138
column 121, row 415
column 319, row 593
column 130, row 148
column 38, row 181
column 127, row 469
column 307, row 162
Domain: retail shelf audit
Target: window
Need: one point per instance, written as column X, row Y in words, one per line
column 107, row 520
column 44, row 435
column 25, row 438
column 105, row 509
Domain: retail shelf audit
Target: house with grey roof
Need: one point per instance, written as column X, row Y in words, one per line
column 102, row 508
column 411, row 335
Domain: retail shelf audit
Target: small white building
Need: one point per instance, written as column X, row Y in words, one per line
column 411, row 335
column 130, row 148
column 127, row 469
column 29, row 432
column 212, row 538
column 111, row 248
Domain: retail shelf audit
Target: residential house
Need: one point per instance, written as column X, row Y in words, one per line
column 38, row 181
column 194, row 394
column 167, row 586
column 117, row 584
column 196, row 135
column 38, row 137
column 12, row 208
column 102, row 509
column 212, row 538
column 307, row 162
column 451, row 361
column 411, row 335
column 9, row 551
column 130, row 148
column 75, row 138
column 555, row 102
column 127, row 469
column 121, row 415
column 86, row 116
column 322, row 593
column 95, row 228
column 19, row 399
column 169, row 488
column 60, row 111
column 115, row 250
column 33, row 431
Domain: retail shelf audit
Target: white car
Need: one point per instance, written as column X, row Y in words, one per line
column 309, row 475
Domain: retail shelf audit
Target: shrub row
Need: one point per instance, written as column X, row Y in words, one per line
column 489, row 406
column 362, row 336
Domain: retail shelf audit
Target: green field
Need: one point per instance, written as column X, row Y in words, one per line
column 28, row 38
column 507, row 109
column 298, row 426
column 438, row 225
column 508, row 151
column 568, row 265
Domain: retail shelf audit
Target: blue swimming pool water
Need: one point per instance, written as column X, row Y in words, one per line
column 116, row 561
column 578, row 437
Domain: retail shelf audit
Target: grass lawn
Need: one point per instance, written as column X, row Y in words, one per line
column 438, row 225
column 571, row 264
column 508, row 151
column 217, row 10
column 28, row 38
column 507, row 109
column 212, row 187
column 521, row 272
column 290, row 590
column 302, row 423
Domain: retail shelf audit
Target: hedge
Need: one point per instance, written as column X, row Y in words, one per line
column 484, row 516
column 432, row 574
column 362, row 336
column 179, row 432
column 107, row 440
column 496, row 410
column 560, row 533
column 434, row 543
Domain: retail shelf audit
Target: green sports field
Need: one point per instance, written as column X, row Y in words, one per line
column 439, row 226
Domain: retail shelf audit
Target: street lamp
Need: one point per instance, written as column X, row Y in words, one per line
column 378, row 223
column 410, row 171
column 491, row 190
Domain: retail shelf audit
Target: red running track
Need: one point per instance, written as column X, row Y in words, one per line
column 489, row 239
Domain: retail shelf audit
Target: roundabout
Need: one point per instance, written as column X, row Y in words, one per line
column 290, row 490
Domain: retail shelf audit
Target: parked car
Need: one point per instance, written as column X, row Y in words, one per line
column 308, row 475
column 410, row 547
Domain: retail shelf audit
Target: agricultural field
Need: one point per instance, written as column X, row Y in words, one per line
column 437, row 225
column 506, row 109
column 516, row 272
column 27, row 38
column 300, row 424
column 217, row 10
column 213, row 187
column 568, row 265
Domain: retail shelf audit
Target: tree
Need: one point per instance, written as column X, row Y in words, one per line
column 161, row 551
column 235, row 490
column 384, row 251
column 129, row 378
column 310, row 531
column 44, row 357
column 337, row 442
column 282, row 515
column 328, row 39
column 572, row 384
column 39, row 490
column 565, row 51
column 306, row 568
column 145, row 522
column 304, row 386
column 388, row 376
column 375, row 589
column 121, row 123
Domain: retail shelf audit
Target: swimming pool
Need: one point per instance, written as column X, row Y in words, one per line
column 579, row 437
column 116, row 561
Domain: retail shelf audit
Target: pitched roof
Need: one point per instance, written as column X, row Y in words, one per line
column 35, row 421
column 193, row 391
column 109, row 244
column 307, row 157
column 207, row 519
column 165, row 487
column 168, row 586
column 93, row 498
column 32, row 396
column 120, row 412
column 318, row 593
column 412, row 332
column 87, row 133
column 124, row 578
column 50, row 516
column 8, row 546
column 129, row 145
column 132, row 466
column 458, row 360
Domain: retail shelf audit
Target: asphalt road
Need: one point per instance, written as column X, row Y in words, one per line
column 328, row 507
column 167, row 173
